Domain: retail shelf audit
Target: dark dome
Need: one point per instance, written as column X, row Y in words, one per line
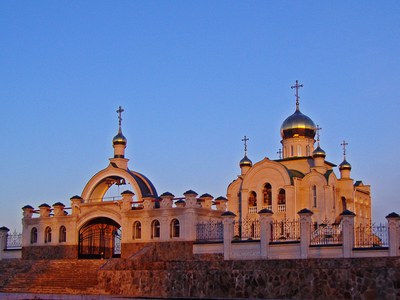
column 246, row 162
column 298, row 125
column 119, row 139
column 318, row 152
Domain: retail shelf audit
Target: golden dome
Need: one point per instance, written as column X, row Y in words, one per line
column 119, row 138
column 345, row 165
column 298, row 125
column 246, row 162
column 318, row 152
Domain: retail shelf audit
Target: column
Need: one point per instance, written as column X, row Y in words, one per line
column 265, row 231
column 228, row 219
column 394, row 230
column 305, row 231
column 348, row 232
column 3, row 240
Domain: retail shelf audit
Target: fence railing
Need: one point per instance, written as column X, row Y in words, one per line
column 371, row 235
column 247, row 229
column 326, row 234
column 14, row 240
column 211, row 230
column 285, row 230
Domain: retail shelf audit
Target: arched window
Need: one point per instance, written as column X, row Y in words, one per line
column 137, row 230
column 314, row 196
column 282, row 196
column 344, row 205
column 62, row 234
column 308, row 153
column 291, row 151
column 47, row 235
column 155, row 229
column 282, row 200
column 267, row 194
column 299, row 150
column 252, row 199
column 34, row 235
column 175, row 228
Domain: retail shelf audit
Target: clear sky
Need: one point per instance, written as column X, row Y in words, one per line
column 194, row 77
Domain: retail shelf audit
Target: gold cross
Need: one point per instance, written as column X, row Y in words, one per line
column 245, row 139
column 120, row 111
column 297, row 86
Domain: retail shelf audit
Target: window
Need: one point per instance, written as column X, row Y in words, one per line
column 175, row 232
column 252, row 199
column 282, row 200
column 34, row 235
column 63, row 234
column 47, row 235
column 282, row 197
column 137, row 230
column 291, row 151
column 155, row 229
column 308, row 150
column 314, row 196
column 299, row 150
column 267, row 191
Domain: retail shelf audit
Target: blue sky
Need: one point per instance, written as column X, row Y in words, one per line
column 193, row 78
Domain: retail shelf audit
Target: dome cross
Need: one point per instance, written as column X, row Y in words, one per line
column 344, row 144
column 297, row 86
column 119, row 112
column 244, row 140
column 318, row 129
column 279, row 153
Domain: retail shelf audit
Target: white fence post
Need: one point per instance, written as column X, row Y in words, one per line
column 3, row 240
column 228, row 218
column 348, row 232
column 305, row 231
column 393, row 234
column 265, row 231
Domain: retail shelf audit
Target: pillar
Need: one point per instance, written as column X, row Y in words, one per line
column 58, row 209
column 190, row 198
column 3, row 240
column 44, row 210
column 76, row 201
column 394, row 233
column 305, row 231
column 265, row 231
column 166, row 200
column 228, row 219
column 348, row 232
column 127, row 199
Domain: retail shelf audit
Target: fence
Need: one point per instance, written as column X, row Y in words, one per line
column 285, row 230
column 371, row 235
column 14, row 241
column 211, row 230
column 326, row 234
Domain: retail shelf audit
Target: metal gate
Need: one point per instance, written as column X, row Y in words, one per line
column 100, row 238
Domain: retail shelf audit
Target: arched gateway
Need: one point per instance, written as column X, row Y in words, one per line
column 100, row 238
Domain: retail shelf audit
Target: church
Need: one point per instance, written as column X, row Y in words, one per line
column 97, row 226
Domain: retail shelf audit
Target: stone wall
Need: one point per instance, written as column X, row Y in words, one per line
column 50, row 252
column 162, row 251
column 366, row 278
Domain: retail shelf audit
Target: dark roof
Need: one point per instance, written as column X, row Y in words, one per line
column 167, row 194
column 127, row 192
column 327, row 174
column 206, row 196
column 392, row 215
column 358, row 183
column 305, row 211
column 228, row 213
column 221, row 198
column 265, row 211
column 58, row 204
column 44, row 205
column 76, row 197
column 347, row 213
column 190, row 192
column 4, row 228
column 27, row 206
column 145, row 185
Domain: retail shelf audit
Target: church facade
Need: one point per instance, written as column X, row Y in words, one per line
column 97, row 227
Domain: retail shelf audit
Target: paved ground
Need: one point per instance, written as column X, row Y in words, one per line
column 16, row 296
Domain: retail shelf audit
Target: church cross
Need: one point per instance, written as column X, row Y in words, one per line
column 279, row 153
column 297, row 86
column 245, row 139
column 318, row 133
column 344, row 144
column 119, row 112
